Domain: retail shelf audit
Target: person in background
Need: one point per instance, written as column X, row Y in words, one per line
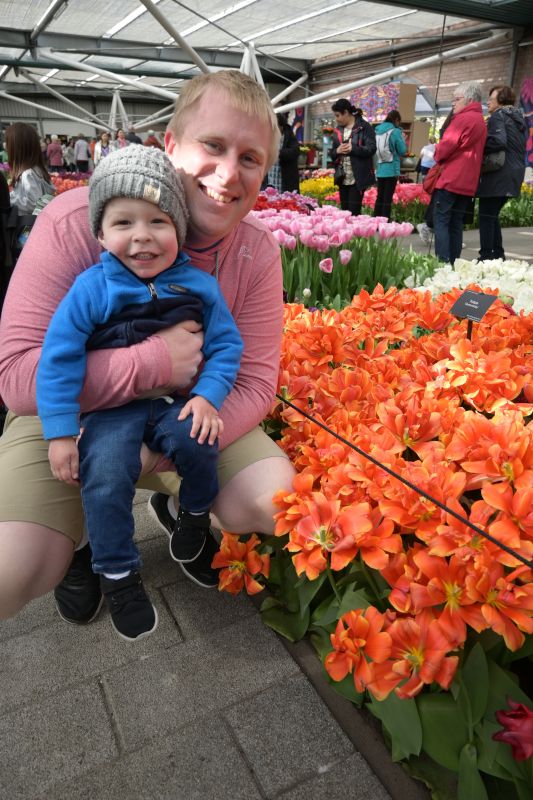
column 425, row 229
column 152, row 140
column 459, row 155
column 391, row 146
column 69, row 157
column 29, row 177
column 102, row 148
column 283, row 174
column 82, row 153
column 132, row 137
column 506, row 133
column 354, row 144
column 427, row 156
column 120, row 140
column 3, row 154
column 54, row 153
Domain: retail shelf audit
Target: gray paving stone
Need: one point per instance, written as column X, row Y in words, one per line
column 109, row 781
column 287, row 734
column 37, row 614
column 56, row 739
column 349, row 779
column 181, row 684
column 44, row 660
column 200, row 612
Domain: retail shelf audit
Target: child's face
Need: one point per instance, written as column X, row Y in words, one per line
column 140, row 235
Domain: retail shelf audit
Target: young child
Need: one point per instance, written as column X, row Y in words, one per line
column 143, row 283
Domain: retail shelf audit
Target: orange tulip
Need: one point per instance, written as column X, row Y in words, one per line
column 240, row 564
column 358, row 643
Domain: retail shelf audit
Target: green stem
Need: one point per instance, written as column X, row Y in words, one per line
column 333, row 583
column 371, row 581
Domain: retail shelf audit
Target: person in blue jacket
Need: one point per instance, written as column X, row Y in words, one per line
column 142, row 283
column 390, row 144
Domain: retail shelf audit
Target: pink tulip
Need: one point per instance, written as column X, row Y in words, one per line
column 345, row 256
column 290, row 242
column 326, row 265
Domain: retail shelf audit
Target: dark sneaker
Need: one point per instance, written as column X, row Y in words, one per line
column 200, row 570
column 188, row 536
column 132, row 614
column 79, row 596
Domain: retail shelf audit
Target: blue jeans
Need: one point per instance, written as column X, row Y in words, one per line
column 448, row 215
column 490, row 232
column 110, row 465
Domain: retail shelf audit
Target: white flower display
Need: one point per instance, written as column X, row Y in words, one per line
column 513, row 279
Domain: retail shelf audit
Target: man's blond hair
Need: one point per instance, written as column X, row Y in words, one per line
column 242, row 92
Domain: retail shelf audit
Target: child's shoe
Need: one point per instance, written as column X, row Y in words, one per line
column 189, row 535
column 132, row 614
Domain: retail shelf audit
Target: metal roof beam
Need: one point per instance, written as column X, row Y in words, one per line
column 120, row 48
column 52, row 111
column 170, row 29
column 59, row 96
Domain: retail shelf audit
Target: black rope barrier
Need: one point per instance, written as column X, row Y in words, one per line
column 408, row 483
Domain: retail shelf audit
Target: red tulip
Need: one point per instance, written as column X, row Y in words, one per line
column 518, row 729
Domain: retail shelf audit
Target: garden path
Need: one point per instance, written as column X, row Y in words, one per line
column 518, row 243
column 212, row 706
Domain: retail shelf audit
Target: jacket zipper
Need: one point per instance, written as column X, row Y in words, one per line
column 152, row 290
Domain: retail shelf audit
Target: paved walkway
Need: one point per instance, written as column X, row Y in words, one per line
column 517, row 242
column 211, row 706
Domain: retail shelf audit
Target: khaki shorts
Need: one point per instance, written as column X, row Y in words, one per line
column 30, row 493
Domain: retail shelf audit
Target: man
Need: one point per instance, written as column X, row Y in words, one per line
column 459, row 155
column 132, row 137
column 222, row 160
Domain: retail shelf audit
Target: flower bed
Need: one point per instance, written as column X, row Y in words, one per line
column 68, row 180
column 511, row 278
column 413, row 613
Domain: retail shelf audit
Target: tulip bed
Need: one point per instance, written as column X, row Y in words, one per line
column 328, row 255
column 416, row 616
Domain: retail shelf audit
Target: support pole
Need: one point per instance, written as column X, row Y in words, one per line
column 59, row 96
column 89, row 122
column 84, row 67
column 156, row 13
column 398, row 70
column 289, row 89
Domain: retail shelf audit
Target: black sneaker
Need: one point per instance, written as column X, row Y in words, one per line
column 188, row 537
column 132, row 614
column 200, row 570
column 79, row 596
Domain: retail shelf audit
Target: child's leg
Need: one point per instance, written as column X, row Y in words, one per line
column 196, row 464
column 109, row 467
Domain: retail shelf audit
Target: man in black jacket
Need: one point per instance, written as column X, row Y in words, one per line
column 354, row 144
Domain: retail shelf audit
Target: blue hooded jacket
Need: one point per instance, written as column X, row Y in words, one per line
column 391, row 169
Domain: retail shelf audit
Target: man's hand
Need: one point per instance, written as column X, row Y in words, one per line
column 184, row 342
column 205, row 419
column 64, row 460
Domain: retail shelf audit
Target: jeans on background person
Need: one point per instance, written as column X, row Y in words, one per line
column 110, row 465
column 448, row 217
column 386, row 187
column 490, row 232
column 351, row 198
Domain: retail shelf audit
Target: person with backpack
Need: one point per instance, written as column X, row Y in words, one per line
column 354, row 145
column 390, row 146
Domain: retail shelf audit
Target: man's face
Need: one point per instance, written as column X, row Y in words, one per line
column 221, row 155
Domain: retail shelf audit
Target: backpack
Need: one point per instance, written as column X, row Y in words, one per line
column 384, row 153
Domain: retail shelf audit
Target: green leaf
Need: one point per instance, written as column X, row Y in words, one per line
column 347, row 689
column 320, row 640
column 307, row 590
column 502, row 684
column 495, row 758
column 327, row 612
column 470, row 786
column 441, row 781
column 474, row 686
column 402, row 721
column 291, row 625
column 353, row 599
column 444, row 730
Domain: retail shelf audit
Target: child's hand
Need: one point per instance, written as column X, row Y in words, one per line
column 205, row 419
column 64, row 460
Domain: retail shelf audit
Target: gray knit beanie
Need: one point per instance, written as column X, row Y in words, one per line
column 144, row 173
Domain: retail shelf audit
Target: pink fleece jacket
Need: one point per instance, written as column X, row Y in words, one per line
column 61, row 246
